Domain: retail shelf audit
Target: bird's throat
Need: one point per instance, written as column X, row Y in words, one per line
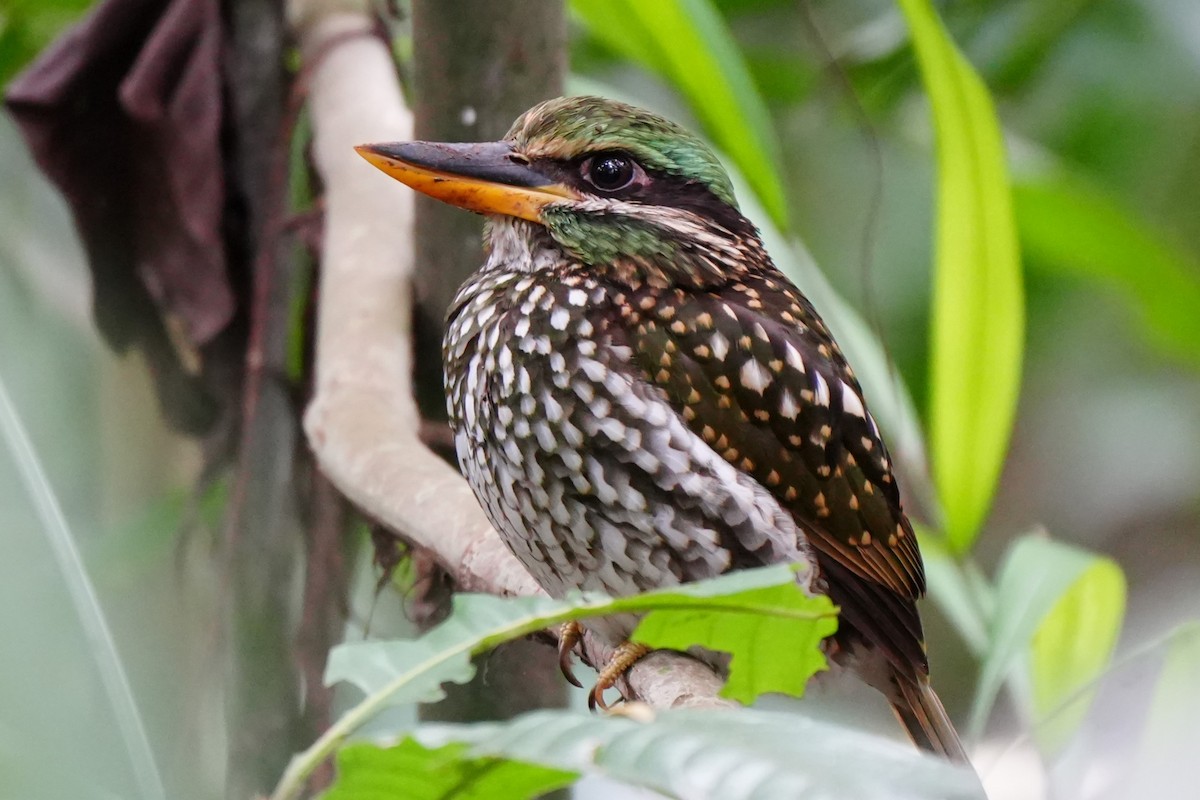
column 662, row 251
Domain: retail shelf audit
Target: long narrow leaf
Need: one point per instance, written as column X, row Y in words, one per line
column 687, row 43
column 83, row 595
column 978, row 306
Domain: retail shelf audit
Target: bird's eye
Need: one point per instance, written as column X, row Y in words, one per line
column 610, row 172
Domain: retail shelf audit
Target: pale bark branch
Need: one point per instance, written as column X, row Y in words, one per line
column 363, row 423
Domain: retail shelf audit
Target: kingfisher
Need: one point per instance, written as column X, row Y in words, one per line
column 640, row 398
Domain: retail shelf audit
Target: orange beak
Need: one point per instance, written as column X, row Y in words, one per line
column 488, row 178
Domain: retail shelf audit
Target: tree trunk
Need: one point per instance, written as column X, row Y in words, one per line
column 478, row 65
column 263, row 537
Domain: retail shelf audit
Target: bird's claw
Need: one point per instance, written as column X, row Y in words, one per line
column 569, row 635
column 625, row 656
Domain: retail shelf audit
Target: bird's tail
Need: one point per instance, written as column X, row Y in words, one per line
column 921, row 713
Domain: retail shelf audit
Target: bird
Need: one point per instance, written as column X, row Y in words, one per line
column 639, row 398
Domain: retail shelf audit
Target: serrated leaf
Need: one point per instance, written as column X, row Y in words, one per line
column 411, row 671
column 412, row 771
column 746, row 754
column 978, row 322
column 1072, row 646
column 417, row 668
column 1037, row 573
column 687, row 43
column 392, row 672
column 776, row 652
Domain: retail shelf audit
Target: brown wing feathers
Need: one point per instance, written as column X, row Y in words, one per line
column 758, row 377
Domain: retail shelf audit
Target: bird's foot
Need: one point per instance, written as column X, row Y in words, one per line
column 569, row 634
column 625, row 656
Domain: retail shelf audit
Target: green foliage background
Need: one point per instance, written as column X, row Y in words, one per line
column 1066, row 135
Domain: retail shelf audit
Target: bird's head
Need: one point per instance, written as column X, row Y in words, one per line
column 613, row 187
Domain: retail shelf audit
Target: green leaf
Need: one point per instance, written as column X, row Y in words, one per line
column 27, row 26
column 1038, row 575
column 742, row 754
column 414, row 772
column 1071, row 647
column 413, row 671
column 1066, row 224
column 978, row 307
column 688, row 44
column 1167, row 754
column 770, row 653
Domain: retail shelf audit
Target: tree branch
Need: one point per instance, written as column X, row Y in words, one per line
column 363, row 423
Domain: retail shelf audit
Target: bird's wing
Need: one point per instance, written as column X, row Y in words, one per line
column 755, row 373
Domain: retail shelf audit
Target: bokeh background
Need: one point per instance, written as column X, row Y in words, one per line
column 1100, row 106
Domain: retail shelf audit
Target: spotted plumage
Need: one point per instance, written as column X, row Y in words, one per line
column 640, row 398
column 587, row 469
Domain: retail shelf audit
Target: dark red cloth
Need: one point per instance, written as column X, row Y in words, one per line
column 123, row 113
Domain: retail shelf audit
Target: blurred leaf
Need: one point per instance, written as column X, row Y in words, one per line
column 688, row 44
column 1073, row 645
column 92, row 619
column 1068, row 225
column 773, row 652
column 1168, row 750
column 413, row 671
column 26, row 26
column 1037, row 574
column 414, row 772
column 742, row 754
column 1042, row 27
column 978, row 312
column 956, row 590
column 781, row 77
